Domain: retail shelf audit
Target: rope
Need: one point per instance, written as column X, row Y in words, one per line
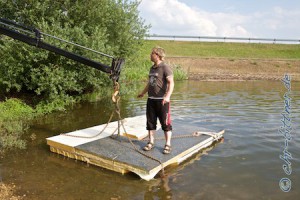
column 134, row 146
column 115, row 99
column 89, row 137
column 194, row 134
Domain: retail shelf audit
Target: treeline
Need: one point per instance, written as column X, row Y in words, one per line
column 109, row 26
column 46, row 81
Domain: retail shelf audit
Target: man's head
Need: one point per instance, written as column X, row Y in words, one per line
column 158, row 53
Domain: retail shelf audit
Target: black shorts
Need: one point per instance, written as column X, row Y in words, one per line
column 155, row 110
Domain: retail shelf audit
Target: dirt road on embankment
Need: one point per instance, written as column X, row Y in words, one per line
column 237, row 68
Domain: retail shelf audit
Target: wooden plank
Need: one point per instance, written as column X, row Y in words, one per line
column 58, row 145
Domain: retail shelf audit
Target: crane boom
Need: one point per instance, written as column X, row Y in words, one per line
column 7, row 27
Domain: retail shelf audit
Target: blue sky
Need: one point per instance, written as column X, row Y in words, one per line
column 225, row 18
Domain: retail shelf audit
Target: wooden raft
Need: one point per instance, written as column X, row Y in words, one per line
column 120, row 155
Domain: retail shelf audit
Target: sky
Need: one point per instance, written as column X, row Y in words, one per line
column 278, row 19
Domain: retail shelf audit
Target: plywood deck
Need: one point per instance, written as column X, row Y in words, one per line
column 120, row 155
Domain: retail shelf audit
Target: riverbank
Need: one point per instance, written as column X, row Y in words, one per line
column 236, row 69
column 249, row 110
column 7, row 192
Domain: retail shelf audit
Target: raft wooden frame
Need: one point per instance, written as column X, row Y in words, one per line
column 119, row 156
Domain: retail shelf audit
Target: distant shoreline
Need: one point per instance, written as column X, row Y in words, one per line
column 236, row 69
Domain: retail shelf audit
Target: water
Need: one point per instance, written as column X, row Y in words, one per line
column 245, row 166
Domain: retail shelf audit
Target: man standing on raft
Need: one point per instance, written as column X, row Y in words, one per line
column 159, row 87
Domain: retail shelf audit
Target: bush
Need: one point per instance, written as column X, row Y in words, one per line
column 113, row 27
column 14, row 118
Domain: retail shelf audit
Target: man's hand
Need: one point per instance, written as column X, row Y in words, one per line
column 144, row 91
column 140, row 95
column 165, row 100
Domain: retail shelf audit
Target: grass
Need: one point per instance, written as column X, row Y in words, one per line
column 224, row 50
column 251, row 61
column 137, row 69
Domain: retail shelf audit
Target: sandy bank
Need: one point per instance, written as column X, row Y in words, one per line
column 7, row 192
column 237, row 69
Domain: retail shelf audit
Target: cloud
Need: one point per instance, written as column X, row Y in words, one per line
column 229, row 24
column 282, row 18
column 275, row 23
column 172, row 17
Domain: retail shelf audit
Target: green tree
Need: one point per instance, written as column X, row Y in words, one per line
column 110, row 26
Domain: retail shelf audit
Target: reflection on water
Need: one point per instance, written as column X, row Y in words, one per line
column 160, row 191
column 245, row 166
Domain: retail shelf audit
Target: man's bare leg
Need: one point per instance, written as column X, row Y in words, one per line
column 167, row 149
column 150, row 144
column 151, row 136
column 168, row 136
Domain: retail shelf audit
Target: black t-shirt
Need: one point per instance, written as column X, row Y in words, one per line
column 158, row 80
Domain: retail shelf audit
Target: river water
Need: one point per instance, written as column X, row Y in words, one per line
column 246, row 165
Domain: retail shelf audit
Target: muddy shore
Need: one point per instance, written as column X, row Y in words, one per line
column 7, row 192
column 222, row 69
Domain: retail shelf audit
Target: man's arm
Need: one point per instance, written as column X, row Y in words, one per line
column 170, row 89
column 144, row 91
